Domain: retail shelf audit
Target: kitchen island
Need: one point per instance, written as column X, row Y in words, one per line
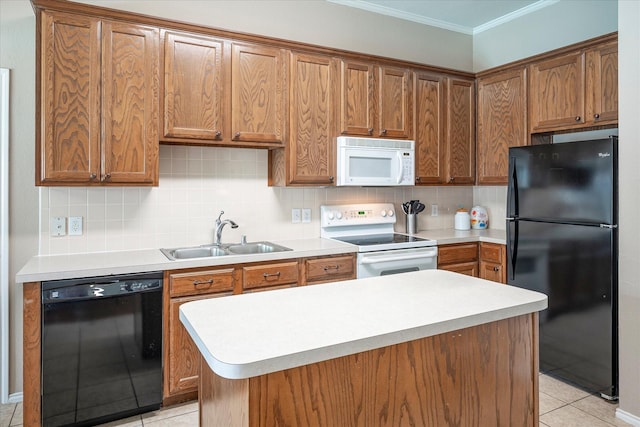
column 423, row 348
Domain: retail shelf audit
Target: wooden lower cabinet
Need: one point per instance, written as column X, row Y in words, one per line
column 493, row 263
column 274, row 275
column 459, row 257
column 329, row 269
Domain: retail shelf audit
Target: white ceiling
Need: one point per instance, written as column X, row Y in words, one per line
column 464, row 16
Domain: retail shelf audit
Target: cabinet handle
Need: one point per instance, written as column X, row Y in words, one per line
column 197, row 283
column 417, row 179
column 331, row 267
column 93, row 176
column 578, row 118
column 496, row 268
column 218, row 134
column 370, row 130
column 236, row 135
column 384, row 132
column 266, row 275
column 107, row 176
column 596, row 116
column 331, row 178
column 451, row 179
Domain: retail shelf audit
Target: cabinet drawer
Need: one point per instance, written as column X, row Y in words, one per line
column 457, row 253
column 327, row 269
column 201, row 282
column 491, row 252
column 468, row 268
column 269, row 275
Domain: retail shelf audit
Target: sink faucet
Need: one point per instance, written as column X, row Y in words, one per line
column 217, row 234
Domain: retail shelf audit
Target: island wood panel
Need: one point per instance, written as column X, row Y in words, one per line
column 460, row 132
column 557, row 92
column 502, row 123
column 194, row 86
column 130, row 103
column 394, row 114
column 429, row 126
column 258, row 93
column 602, row 84
column 485, row 375
column 357, row 98
column 69, row 147
column 31, row 356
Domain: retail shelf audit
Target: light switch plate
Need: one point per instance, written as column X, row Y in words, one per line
column 75, row 226
column 295, row 215
column 434, row 210
column 306, row 215
column 57, row 226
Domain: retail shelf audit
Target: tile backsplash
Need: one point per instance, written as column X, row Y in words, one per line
column 196, row 183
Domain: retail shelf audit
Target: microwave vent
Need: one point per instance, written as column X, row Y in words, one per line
column 346, row 141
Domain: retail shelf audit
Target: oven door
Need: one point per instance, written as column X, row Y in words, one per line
column 382, row 263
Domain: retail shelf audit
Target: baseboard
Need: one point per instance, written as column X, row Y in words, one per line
column 634, row 420
column 15, row 398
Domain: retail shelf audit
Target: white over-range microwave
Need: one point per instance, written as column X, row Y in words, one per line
column 375, row 162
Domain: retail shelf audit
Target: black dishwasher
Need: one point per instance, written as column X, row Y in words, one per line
column 101, row 348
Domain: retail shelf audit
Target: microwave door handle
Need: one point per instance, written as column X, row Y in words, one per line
column 400, row 171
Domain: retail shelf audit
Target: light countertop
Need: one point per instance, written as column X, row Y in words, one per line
column 243, row 336
column 447, row 236
column 56, row 267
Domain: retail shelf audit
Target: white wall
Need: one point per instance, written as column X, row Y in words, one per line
column 560, row 24
column 629, row 175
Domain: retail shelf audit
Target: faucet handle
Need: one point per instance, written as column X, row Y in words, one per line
column 220, row 216
column 243, row 239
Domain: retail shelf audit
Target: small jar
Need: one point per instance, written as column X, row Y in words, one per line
column 462, row 220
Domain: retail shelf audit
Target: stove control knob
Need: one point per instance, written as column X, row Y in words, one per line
column 390, row 213
column 330, row 215
column 339, row 215
column 383, row 213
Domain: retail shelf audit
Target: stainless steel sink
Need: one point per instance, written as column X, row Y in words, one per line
column 222, row 250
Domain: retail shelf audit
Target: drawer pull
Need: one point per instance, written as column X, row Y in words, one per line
column 266, row 275
column 203, row 282
column 496, row 268
column 331, row 267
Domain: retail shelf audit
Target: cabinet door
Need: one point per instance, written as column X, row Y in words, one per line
column 357, row 103
column 311, row 151
column 258, row 94
column 394, row 114
column 556, row 97
column 602, row 84
column 69, row 138
column 493, row 262
column 182, row 357
column 330, row 269
column 193, row 86
column 429, row 98
column 130, row 103
column 502, row 123
column 270, row 275
column 468, row 268
column 460, row 132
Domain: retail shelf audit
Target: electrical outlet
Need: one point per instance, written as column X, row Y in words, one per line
column 75, row 226
column 434, row 210
column 295, row 216
column 57, row 226
column 306, row 215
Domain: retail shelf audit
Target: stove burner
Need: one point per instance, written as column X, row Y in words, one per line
column 379, row 239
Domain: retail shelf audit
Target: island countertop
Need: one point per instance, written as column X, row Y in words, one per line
column 248, row 335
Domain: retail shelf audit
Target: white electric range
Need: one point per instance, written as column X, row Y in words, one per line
column 381, row 251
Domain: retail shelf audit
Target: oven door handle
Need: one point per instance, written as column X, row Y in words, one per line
column 372, row 259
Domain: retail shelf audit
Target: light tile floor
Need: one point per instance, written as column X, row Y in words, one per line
column 561, row 405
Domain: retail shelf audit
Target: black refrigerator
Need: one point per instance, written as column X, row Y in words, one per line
column 562, row 240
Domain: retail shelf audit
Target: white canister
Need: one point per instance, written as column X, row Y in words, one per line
column 479, row 218
column 462, row 220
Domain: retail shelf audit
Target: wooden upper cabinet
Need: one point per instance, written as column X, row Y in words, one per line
column 258, row 94
column 98, row 104
column 502, row 123
column 357, row 103
column 602, row 84
column 69, row 141
column 130, row 103
column 460, row 132
column 429, row 119
column 394, row 113
column 194, row 86
column 556, row 98
column 309, row 158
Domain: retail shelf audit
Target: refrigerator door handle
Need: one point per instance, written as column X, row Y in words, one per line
column 512, row 190
column 512, row 244
column 609, row 226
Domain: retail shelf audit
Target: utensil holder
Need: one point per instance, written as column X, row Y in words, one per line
column 412, row 223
